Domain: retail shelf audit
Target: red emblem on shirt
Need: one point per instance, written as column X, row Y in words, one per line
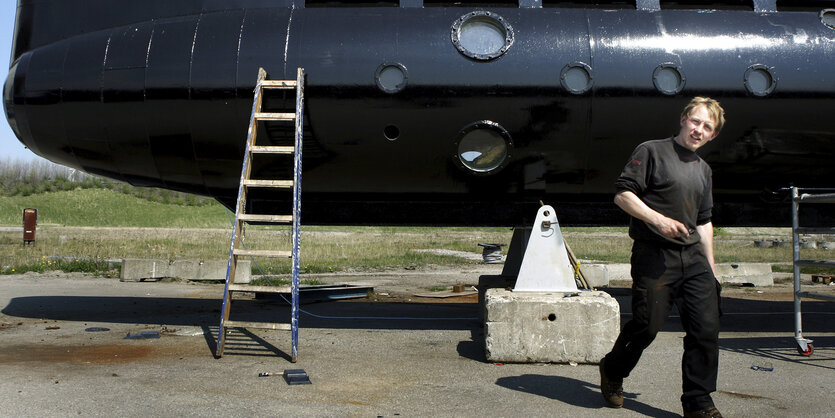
column 636, row 162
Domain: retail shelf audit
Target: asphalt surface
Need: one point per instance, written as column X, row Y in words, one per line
column 361, row 360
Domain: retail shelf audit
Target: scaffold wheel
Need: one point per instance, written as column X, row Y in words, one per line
column 808, row 352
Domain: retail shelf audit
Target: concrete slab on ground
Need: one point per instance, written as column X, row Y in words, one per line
column 137, row 269
column 753, row 274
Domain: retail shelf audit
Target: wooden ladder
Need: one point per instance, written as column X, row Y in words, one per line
column 237, row 249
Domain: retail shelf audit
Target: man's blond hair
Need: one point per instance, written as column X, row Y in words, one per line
column 713, row 107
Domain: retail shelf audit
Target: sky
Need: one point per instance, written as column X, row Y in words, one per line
column 10, row 147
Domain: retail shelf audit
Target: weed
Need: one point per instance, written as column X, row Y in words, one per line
column 98, row 267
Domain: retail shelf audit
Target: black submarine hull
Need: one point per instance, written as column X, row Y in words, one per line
column 159, row 94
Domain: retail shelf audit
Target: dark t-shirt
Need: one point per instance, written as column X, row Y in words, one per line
column 671, row 180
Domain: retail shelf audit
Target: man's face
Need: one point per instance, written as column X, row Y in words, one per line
column 697, row 128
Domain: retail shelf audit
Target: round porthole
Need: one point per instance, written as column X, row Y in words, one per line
column 391, row 77
column 668, row 79
column 576, row 77
column 483, row 147
column 760, row 80
column 482, row 35
column 828, row 17
column 391, row 132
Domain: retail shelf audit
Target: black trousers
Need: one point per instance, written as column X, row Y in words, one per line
column 663, row 275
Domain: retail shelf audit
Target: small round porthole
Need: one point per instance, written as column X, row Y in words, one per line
column 482, row 35
column 828, row 17
column 391, row 77
column 668, row 79
column 391, row 132
column 576, row 77
column 483, row 147
column 760, row 80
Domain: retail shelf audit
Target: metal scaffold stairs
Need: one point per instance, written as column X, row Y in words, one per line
column 259, row 117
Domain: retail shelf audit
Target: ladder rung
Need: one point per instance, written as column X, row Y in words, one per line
column 815, row 263
column 262, row 253
column 278, row 219
column 261, row 149
column 275, row 116
column 258, row 289
column 262, row 325
column 281, row 184
column 278, row 84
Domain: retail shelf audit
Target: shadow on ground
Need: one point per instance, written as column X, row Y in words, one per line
column 574, row 392
column 741, row 315
column 200, row 312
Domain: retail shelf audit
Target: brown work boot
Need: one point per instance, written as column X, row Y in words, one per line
column 612, row 389
column 710, row 412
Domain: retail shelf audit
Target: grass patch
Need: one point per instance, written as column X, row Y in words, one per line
column 104, row 207
column 327, row 249
column 97, row 267
column 102, row 224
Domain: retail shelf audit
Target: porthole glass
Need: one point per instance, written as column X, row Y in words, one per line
column 668, row 79
column 391, row 77
column 828, row 17
column 483, row 147
column 482, row 35
column 759, row 80
column 576, row 77
column 391, row 132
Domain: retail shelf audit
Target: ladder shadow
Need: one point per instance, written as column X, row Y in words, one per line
column 782, row 349
column 242, row 342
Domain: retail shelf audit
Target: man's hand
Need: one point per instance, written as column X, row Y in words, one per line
column 633, row 205
column 670, row 228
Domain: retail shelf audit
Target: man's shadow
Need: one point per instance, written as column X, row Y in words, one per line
column 575, row 392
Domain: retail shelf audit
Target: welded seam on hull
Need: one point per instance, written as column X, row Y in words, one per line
column 191, row 53
column 147, row 60
column 103, row 67
column 238, row 49
column 287, row 36
column 190, row 89
column 663, row 35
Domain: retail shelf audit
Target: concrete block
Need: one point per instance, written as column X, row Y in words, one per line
column 526, row 327
column 136, row 269
column 491, row 282
column 601, row 275
column 756, row 274
column 619, row 272
column 597, row 275
column 216, row 270
column 184, row 269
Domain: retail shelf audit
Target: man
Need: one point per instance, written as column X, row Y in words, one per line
column 666, row 189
